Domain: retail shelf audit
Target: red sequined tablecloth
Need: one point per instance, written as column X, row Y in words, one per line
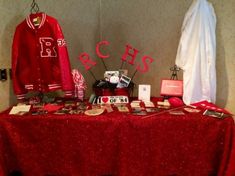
column 117, row 144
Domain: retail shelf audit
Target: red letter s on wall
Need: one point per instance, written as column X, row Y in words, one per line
column 145, row 64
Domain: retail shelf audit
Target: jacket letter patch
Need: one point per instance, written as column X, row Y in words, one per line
column 47, row 47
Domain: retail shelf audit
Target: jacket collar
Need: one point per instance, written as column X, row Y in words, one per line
column 30, row 17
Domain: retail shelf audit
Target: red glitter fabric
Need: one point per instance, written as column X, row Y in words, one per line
column 117, row 144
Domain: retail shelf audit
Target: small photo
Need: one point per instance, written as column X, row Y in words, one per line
column 176, row 113
column 139, row 113
column 215, row 114
column 152, row 109
column 123, row 109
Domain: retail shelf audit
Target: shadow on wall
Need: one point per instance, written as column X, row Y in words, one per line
column 115, row 35
column 7, row 49
column 222, row 75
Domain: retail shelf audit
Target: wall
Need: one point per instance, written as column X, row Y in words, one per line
column 225, row 53
column 11, row 13
column 151, row 26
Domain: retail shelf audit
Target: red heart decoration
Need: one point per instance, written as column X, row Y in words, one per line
column 105, row 99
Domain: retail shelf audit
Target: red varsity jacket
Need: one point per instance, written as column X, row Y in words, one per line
column 40, row 59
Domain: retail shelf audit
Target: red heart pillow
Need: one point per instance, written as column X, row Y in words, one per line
column 175, row 102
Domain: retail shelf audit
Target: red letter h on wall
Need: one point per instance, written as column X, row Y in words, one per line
column 132, row 55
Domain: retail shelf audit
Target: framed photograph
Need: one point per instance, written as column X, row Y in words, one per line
column 219, row 115
column 109, row 74
column 124, row 81
column 171, row 88
column 144, row 92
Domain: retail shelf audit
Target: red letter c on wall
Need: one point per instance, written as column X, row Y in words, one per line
column 98, row 49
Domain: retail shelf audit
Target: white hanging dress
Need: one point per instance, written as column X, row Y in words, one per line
column 196, row 53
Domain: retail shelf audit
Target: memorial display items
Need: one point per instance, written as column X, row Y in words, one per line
column 171, row 88
column 94, row 112
column 149, row 104
column 52, row 107
column 80, row 85
column 164, row 103
column 138, row 111
column 115, row 83
column 192, row 110
column 112, row 99
column 107, row 107
column 39, row 112
column 62, row 111
column 175, row 102
column 124, row 81
column 40, row 60
column 204, row 105
column 135, row 104
column 212, row 113
column 122, row 107
column 144, row 92
column 176, row 113
column 152, row 110
column 20, row 109
column 111, row 74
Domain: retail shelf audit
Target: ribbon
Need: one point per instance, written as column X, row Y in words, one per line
column 80, row 84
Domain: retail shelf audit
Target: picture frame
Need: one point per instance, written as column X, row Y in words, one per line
column 171, row 88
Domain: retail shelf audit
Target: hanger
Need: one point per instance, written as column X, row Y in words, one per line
column 34, row 7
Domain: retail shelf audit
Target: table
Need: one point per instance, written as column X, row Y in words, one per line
column 117, row 144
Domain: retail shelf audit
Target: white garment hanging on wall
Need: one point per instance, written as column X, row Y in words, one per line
column 196, row 53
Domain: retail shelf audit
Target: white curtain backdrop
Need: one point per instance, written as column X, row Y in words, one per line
column 196, row 53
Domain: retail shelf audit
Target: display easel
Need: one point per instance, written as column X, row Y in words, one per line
column 174, row 71
column 174, row 76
